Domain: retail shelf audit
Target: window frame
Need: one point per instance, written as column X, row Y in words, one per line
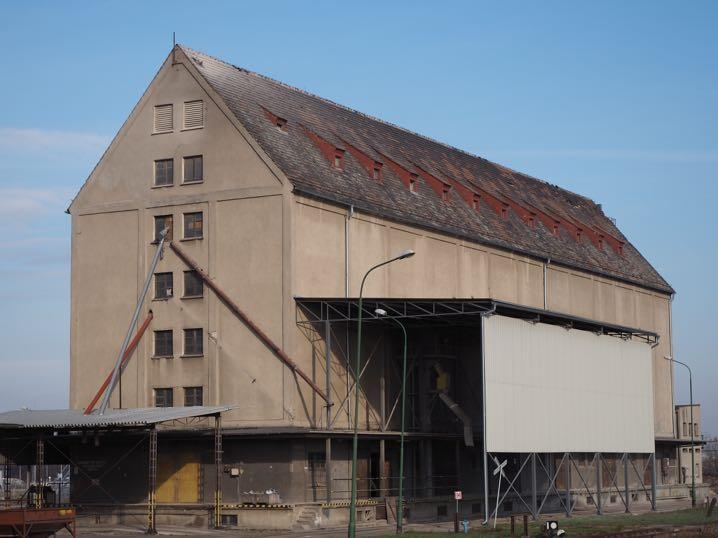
column 156, row 238
column 166, row 391
column 172, row 174
column 171, row 286
column 156, row 355
column 185, row 237
column 186, row 295
column 193, row 391
column 184, row 114
column 192, row 158
column 154, row 118
column 185, row 332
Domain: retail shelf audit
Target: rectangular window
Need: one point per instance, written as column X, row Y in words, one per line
column 164, row 121
column 193, row 225
column 193, row 285
column 163, row 285
column 163, row 344
column 164, row 172
column 192, row 396
column 162, row 222
column 193, row 342
column 164, row 397
column 193, row 115
column 193, row 169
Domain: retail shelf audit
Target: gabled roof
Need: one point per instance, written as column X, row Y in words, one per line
column 421, row 181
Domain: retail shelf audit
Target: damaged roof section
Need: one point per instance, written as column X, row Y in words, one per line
column 341, row 155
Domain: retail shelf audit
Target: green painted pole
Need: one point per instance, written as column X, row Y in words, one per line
column 400, row 501
column 357, row 369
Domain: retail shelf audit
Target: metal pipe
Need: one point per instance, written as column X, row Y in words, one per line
column 135, row 316
column 355, row 441
column 128, row 353
column 246, row 320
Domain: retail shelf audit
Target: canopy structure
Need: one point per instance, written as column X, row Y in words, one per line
column 75, row 418
column 462, row 311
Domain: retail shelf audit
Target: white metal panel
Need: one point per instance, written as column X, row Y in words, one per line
column 550, row 389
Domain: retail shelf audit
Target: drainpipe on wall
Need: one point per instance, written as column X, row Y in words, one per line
column 673, row 394
column 350, row 214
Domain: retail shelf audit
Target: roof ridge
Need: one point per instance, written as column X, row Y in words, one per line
column 388, row 123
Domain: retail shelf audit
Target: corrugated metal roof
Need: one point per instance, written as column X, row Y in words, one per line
column 75, row 418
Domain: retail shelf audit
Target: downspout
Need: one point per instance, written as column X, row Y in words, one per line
column 545, row 282
column 483, row 414
column 350, row 214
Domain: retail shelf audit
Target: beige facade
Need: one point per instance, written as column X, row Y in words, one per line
column 265, row 245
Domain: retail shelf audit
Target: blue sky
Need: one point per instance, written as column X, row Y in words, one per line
column 615, row 100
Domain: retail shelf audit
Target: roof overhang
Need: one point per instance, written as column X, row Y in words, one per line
column 63, row 419
column 458, row 312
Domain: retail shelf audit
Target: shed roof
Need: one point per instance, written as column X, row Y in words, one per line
column 454, row 192
column 75, row 418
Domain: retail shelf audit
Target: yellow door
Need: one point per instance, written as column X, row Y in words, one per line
column 178, row 478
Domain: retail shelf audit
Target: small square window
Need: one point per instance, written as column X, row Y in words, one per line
column 193, row 284
column 193, row 115
column 376, row 171
column 163, row 285
column 164, row 172
column 164, row 397
column 193, row 225
column 192, row 396
column 193, row 343
column 193, row 169
column 162, row 222
column 163, row 344
column 338, row 159
column 163, row 120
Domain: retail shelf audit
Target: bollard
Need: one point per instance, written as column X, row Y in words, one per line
column 513, row 525
column 526, row 525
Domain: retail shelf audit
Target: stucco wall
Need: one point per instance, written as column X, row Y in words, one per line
column 447, row 267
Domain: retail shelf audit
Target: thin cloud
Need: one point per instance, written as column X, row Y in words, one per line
column 31, row 140
column 29, row 203
column 676, row 156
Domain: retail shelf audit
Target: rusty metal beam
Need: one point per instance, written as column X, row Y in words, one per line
column 234, row 308
column 125, row 359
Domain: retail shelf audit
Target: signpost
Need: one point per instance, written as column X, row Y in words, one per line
column 498, row 471
column 457, row 497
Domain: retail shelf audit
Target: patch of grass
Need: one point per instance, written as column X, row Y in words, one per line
column 591, row 525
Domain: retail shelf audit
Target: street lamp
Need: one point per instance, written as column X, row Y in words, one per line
column 400, row 501
column 693, row 462
column 355, row 441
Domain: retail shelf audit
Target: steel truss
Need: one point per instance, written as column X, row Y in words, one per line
column 310, row 310
column 534, row 501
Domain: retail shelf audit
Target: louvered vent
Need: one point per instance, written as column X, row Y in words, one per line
column 163, row 119
column 193, row 115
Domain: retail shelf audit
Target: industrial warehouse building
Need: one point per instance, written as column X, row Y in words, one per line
column 536, row 330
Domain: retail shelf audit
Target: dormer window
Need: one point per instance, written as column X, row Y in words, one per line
column 412, row 182
column 504, row 213
column 531, row 221
column 579, row 233
column 554, row 231
column 600, row 242
column 445, row 192
column 338, row 159
column 280, row 123
column 376, row 171
column 476, row 202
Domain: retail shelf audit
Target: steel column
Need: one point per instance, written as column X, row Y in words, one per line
column 6, row 478
column 534, row 488
column 152, row 475
column 483, row 428
column 599, row 483
column 328, row 466
column 382, row 460
column 568, row 485
column 653, row 481
column 627, row 490
column 40, row 463
column 218, row 469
